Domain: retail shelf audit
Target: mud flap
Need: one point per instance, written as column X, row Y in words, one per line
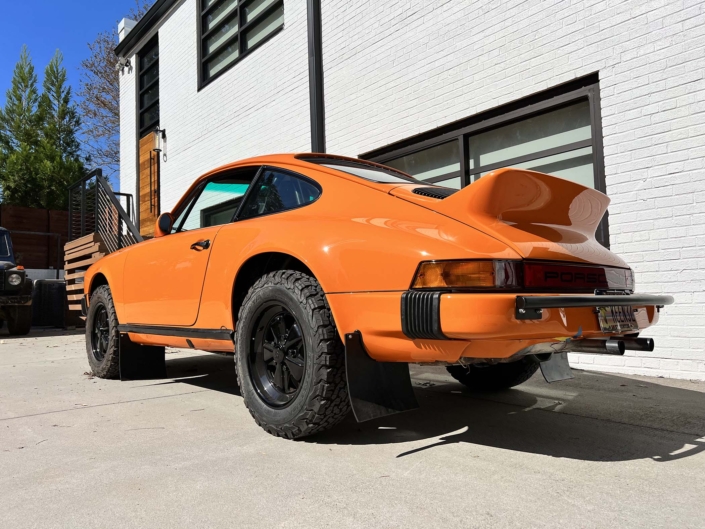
column 140, row 362
column 376, row 389
column 556, row 368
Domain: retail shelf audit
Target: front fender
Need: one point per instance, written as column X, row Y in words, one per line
column 109, row 267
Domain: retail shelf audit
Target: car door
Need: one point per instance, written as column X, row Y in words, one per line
column 163, row 277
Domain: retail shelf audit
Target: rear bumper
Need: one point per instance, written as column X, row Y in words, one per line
column 436, row 315
column 547, row 302
column 439, row 326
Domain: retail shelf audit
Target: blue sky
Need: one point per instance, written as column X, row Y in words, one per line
column 45, row 25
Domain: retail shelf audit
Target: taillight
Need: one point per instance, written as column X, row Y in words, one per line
column 482, row 275
column 520, row 275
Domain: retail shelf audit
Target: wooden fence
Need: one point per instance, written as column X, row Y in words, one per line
column 36, row 251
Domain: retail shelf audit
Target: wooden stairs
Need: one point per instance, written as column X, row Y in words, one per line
column 79, row 254
column 98, row 225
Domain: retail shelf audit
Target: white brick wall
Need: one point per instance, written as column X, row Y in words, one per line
column 260, row 106
column 397, row 68
column 400, row 67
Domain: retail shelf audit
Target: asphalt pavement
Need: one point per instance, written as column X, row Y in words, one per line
column 597, row 451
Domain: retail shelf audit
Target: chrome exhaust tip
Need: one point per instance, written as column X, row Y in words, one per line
column 615, row 347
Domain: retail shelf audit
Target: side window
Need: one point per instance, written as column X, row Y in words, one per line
column 216, row 202
column 278, row 191
column 5, row 247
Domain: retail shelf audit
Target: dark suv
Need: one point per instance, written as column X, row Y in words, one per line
column 15, row 290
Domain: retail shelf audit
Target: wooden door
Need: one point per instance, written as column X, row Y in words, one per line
column 148, row 186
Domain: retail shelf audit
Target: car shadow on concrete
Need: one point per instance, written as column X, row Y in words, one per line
column 594, row 417
column 210, row 371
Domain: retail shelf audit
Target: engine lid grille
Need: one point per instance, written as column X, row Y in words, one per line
column 434, row 192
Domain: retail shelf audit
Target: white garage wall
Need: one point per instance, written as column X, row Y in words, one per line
column 397, row 68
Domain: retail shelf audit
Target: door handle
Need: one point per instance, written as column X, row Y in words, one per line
column 201, row 245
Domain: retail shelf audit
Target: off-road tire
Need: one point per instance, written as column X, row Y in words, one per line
column 2, row 322
column 109, row 365
column 322, row 400
column 19, row 320
column 495, row 377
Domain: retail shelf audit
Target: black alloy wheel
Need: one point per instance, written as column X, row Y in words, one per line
column 289, row 360
column 102, row 336
column 100, row 333
column 277, row 357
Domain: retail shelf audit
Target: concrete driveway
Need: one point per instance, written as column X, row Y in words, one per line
column 597, row 451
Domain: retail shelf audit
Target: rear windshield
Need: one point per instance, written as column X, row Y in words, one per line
column 368, row 172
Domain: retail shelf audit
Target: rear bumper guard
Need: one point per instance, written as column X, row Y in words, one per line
column 531, row 307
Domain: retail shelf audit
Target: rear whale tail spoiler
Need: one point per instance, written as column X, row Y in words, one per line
column 538, row 215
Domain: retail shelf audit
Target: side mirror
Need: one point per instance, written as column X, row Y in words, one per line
column 164, row 225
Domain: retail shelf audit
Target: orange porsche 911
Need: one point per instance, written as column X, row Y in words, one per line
column 326, row 276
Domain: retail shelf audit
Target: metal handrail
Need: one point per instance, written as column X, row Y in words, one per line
column 102, row 190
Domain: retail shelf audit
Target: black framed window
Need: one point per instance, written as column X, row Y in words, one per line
column 557, row 142
column 558, row 132
column 149, row 87
column 230, row 29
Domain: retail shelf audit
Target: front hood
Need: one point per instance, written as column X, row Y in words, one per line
column 537, row 215
column 6, row 265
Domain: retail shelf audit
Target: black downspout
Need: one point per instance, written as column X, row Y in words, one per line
column 315, row 77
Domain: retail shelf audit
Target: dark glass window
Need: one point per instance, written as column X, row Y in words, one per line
column 149, row 87
column 5, row 248
column 277, row 191
column 232, row 28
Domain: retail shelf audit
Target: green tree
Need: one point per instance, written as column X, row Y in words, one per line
column 59, row 148
column 99, row 96
column 20, row 125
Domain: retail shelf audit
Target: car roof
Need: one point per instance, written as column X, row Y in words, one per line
column 293, row 159
column 296, row 158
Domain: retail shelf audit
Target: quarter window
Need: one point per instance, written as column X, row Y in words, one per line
column 149, row 87
column 276, row 191
column 230, row 29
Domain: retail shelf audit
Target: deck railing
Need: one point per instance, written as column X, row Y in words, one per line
column 95, row 208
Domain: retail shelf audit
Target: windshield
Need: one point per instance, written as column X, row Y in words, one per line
column 5, row 247
column 381, row 175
